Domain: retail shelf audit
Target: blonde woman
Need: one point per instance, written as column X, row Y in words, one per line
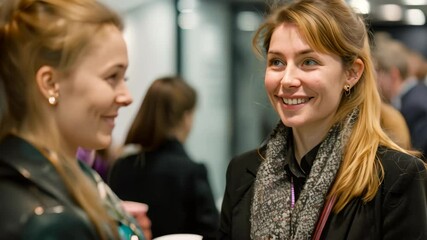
column 62, row 68
column 328, row 170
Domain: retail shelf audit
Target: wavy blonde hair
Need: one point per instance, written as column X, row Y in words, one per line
column 56, row 33
column 332, row 27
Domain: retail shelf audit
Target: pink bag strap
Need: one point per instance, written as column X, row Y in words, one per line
column 324, row 218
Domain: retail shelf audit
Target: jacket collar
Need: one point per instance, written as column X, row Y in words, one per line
column 252, row 166
column 30, row 163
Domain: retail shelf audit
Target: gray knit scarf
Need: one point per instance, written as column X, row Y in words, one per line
column 271, row 213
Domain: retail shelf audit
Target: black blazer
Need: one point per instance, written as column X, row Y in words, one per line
column 175, row 188
column 399, row 210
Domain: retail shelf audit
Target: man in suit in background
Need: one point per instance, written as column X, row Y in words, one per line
column 403, row 86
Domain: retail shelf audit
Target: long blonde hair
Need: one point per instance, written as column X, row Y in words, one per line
column 57, row 33
column 333, row 27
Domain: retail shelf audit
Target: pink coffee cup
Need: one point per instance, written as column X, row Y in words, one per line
column 135, row 208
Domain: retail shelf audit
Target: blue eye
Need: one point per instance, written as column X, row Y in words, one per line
column 309, row 62
column 114, row 79
column 276, row 62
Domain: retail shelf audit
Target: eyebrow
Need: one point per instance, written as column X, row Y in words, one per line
column 301, row 52
column 118, row 67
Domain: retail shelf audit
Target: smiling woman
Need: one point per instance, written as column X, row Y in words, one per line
column 62, row 68
column 94, row 91
column 328, row 170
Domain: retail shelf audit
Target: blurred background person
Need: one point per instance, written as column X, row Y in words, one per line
column 162, row 174
column 416, row 65
column 412, row 102
column 62, row 69
column 391, row 71
column 401, row 83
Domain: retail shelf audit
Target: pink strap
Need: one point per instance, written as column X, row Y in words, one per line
column 324, row 217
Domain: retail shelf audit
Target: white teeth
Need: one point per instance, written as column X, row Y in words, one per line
column 294, row 101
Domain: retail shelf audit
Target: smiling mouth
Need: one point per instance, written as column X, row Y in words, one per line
column 110, row 120
column 295, row 101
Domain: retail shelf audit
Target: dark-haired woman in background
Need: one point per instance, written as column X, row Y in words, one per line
column 162, row 174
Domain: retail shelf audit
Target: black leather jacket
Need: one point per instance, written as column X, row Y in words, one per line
column 34, row 201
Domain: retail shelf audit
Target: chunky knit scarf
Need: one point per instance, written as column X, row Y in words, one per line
column 271, row 213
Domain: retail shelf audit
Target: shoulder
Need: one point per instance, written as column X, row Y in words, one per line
column 247, row 160
column 57, row 223
column 173, row 157
column 401, row 169
column 30, row 213
column 416, row 94
column 242, row 170
column 400, row 162
column 127, row 160
column 240, row 176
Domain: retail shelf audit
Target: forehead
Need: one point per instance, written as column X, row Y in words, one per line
column 108, row 39
column 108, row 47
column 288, row 36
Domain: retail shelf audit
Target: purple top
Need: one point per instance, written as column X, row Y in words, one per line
column 94, row 160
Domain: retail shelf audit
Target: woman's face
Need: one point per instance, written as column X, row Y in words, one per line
column 304, row 86
column 91, row 96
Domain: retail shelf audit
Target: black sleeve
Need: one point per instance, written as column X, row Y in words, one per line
column 225, row 222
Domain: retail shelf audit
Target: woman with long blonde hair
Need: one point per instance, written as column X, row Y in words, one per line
column 62, row 67
column 328, row 170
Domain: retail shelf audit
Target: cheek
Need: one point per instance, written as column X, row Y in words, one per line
column 271, row 82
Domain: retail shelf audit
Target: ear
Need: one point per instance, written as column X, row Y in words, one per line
column 47, row 82
column 395, row 74
column 355, row 72
column 188, row 118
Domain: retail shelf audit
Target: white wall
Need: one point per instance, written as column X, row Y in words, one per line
column 206, row 65
column 151, row 36
column 150, row 32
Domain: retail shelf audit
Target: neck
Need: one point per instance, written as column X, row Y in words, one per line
column 304, row 141
column 180, row 135
column 41, row 139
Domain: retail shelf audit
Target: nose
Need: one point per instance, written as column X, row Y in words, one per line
column 124, row 97
column 290, row 77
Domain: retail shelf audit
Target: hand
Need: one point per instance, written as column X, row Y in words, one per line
column 139, row 212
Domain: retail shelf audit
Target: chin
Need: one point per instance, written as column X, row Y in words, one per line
column 102, row 142
column 292, row 123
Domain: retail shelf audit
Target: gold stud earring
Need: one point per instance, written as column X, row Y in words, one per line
column 347, row 89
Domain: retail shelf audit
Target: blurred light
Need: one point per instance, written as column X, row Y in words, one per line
column 390, row 12
column 360, row 6
column 188, row 20
column 248, row 21
column 415, row 2
column 415, row 17
column 187, row 5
